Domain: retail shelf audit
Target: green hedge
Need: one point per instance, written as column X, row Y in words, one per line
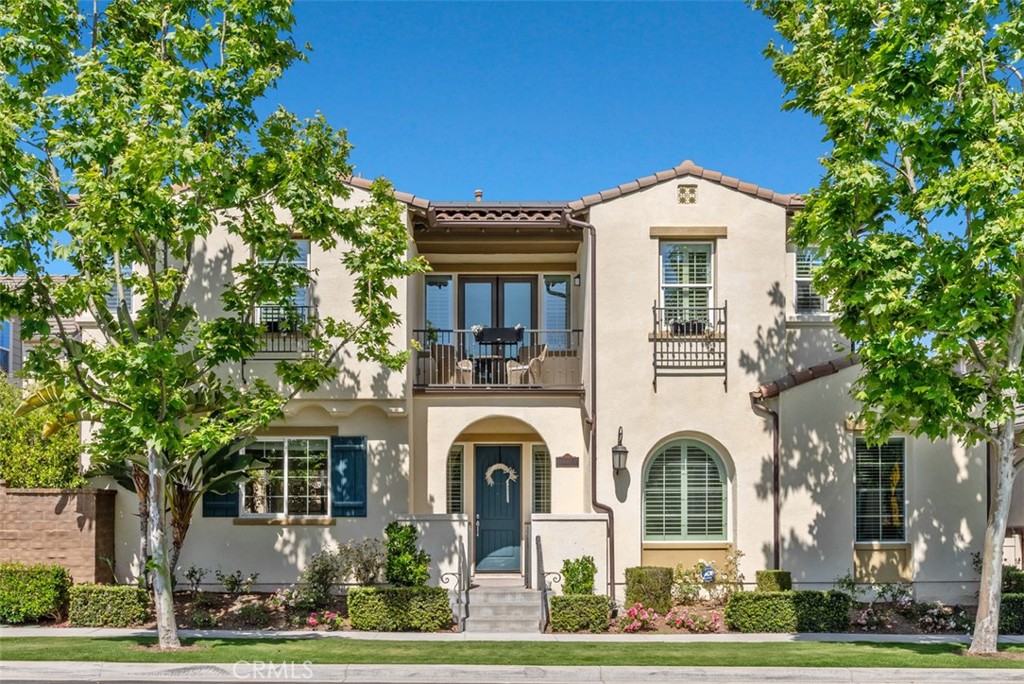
column 774, row 580
column 651, row 586
column 102, row 605
column 31, row 592
column 579, row 612
column 1013, row 581
column 1011, row 614
column 788, row 611
column 399, row 609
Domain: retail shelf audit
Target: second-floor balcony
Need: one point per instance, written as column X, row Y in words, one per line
column 512, row 359
column 689, row 341
column 284, row 328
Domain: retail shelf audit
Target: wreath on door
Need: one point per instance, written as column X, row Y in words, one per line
column 508, row 470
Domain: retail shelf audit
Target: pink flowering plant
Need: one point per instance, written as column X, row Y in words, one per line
column 636, row 618
column 327, row 620
column 693, row 621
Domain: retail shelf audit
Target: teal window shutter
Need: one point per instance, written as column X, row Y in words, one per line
column 348, row 477
column 220, row 505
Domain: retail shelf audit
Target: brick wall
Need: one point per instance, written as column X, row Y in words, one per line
column 69, row 527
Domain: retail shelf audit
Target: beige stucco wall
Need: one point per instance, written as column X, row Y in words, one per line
column 279, row 552
column 565, row 536
column 751, row 274
column 945, row 494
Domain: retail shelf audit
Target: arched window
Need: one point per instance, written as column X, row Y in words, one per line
column 684, row 494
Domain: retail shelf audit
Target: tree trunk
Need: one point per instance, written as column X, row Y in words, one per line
column 163, row 597
column 986, row 627
column 141, row 482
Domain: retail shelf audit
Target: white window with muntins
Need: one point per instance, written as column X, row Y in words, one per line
column 881, row 491
column 687, row 280
column 295, row 481
column 807, row 300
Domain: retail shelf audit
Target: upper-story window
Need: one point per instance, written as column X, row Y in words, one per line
column 687, row 280
column 274, row 315
column 807, row 300
column 5, row 347
column 439, row 302
column 556, row 311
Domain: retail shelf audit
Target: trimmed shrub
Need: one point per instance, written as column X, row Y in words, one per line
column 761, row 611
column 1011, row 614
column 316, row 582
column 774, row 580
column 651, row 586
column 1013, row 580
column 31, row 592
column 822, row 611
column 580, row 612
column 399, row 609
column 788, row 611
column 101, row 605
column 406, row 564
column 578, row 575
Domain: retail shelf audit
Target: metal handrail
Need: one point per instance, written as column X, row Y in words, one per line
column 689, row 340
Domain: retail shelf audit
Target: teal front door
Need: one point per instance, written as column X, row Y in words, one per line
column 498, row 480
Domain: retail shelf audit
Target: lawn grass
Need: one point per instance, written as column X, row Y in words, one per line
column 345, row 651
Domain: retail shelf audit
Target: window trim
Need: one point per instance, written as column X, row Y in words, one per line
column 242, row 513
column 539, row 452
column 685, row 538
column 712, row 270
column 863, row 543
column 455, row 496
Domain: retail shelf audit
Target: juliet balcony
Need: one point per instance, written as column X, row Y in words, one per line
column 508, row 359
column 284, row 329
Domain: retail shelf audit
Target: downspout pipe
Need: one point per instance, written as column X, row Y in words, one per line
column 597, row 505
column 757, row 403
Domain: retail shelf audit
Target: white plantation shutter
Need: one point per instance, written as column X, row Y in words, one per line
column 686, row 279
column 541, row 480
column 684, row 494
column 454, row 477
column 881, row 491
column 807, row 300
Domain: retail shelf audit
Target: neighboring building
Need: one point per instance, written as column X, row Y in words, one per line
column 671, row 311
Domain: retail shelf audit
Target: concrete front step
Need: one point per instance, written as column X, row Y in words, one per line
column 494, row 596
column 502, row 625
column 511, row 611
column 503, row 609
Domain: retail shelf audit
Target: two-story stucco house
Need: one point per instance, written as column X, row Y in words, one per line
column 644, row 375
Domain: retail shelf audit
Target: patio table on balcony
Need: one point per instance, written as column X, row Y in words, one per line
column 489, row 369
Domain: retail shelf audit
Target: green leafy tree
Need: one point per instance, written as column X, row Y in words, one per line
column 919, row 217
column 129, row 137
column 32, row 453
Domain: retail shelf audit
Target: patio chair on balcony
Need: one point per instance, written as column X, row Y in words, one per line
column 445, row 370
column 526, row 369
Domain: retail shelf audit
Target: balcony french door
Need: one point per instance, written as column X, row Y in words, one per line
column 497, row 302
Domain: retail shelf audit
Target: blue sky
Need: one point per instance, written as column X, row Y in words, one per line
column 548, row 101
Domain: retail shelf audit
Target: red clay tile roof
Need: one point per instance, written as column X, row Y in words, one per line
column 790, row 202
column 544, row 211
column 800, row 377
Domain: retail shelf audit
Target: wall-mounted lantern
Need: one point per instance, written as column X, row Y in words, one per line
column 619, row 455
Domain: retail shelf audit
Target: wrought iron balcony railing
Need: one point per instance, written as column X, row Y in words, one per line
column 689, row 341
column 498, row 358
column 284, row 328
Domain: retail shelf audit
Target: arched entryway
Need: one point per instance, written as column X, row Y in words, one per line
column 498, row 472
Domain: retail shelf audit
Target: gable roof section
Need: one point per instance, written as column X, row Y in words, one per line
column 790, row 202
column 774, row 388
column 478, row 212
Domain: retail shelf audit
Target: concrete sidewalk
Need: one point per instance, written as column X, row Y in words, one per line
column 473, row 674
column 98, row 632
